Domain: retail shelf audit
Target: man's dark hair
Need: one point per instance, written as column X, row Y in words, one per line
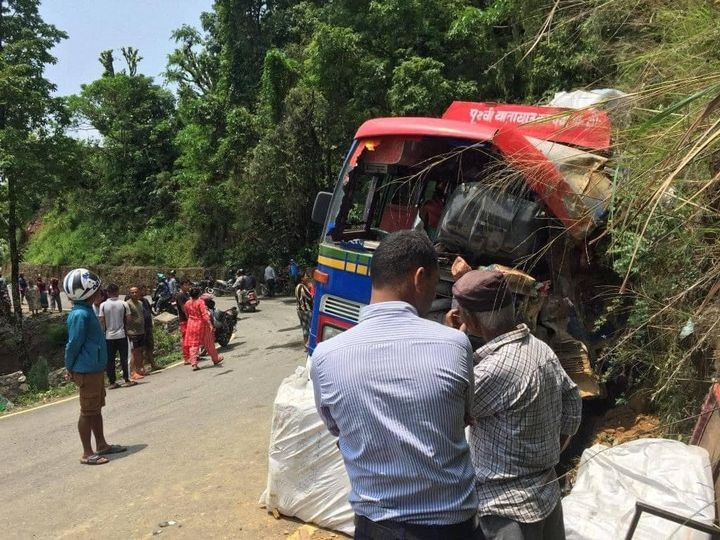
column 184, row 281
column 195, row 293
column 399, row 254
column 112, row 288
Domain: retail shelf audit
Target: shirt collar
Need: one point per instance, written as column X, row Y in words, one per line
column 521, row 332
column 81, row 305
column 386, row 308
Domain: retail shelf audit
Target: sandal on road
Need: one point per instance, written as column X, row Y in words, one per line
column 112, row 449
column 114, row 385
column 196, row 367
column 95, row 459
column 130, row 383
column 219, row 361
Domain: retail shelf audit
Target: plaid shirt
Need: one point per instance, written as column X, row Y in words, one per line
column 523, row 402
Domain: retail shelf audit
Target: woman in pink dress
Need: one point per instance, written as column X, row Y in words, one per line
column 199, row 332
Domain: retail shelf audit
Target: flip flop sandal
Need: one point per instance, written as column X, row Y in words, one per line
column 196, row 368
column 95, row 459
column 220, row 361
column 112, row 449
column 113, row 386
column 130, row 383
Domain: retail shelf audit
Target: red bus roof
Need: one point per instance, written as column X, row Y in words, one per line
column 421, row 126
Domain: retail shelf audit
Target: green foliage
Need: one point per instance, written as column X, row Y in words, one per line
column 165, row 342
column 37, row 377
column 58, row 333
column 419, row 87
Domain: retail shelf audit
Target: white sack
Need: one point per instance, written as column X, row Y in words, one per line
column 660, row 472
column 608, row 98
column 306, row 474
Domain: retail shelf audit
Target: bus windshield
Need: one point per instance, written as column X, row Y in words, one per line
column 396, row 183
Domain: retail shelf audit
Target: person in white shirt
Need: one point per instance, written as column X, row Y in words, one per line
column 113, row 314
column 270, row 280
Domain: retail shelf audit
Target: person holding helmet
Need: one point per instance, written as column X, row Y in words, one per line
column 85, row 361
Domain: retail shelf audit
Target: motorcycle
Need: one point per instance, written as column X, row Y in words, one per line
column 163, row 303
column 228, row 319
column 218, row 287
column 247, row 299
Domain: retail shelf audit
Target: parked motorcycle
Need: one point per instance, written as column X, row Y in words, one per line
column 228, row 321
column 247, row 299
column 218, row 287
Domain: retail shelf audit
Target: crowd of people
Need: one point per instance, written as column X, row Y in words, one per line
column 40, row 295
column 399, row 392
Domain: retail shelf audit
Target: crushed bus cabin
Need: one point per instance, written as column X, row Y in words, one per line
column 522, row 189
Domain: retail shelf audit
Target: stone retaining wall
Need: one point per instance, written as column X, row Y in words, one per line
column 124, row 276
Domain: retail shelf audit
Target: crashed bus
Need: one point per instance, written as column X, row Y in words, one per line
column 522, row 189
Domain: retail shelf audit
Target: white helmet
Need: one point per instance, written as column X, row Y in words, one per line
column 81, row 284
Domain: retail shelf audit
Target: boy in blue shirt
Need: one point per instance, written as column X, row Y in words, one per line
column 85, row 361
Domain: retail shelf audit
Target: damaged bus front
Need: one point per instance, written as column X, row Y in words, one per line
column 518, row 188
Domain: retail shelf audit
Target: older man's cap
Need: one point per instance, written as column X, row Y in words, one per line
column 482, row 290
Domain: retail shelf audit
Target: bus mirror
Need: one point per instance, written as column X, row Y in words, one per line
column 321, row 207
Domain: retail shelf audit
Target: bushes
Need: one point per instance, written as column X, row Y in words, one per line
column 58, row 333
column 37, row 377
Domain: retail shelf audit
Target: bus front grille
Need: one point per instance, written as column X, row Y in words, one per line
column 339, row 307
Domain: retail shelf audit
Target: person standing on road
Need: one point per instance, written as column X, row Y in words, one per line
column 22, row 285
column 270, row 278
column 135, row 328
column 42, row 289
column 85, row 361
column 114, row 314
column 55, row 301
column 200, row 331
column 181, row 298
column 304, row 307
column 149, row 330
column 294, row 271
column 172, row 283
column 396, row 390
column 32, row 295
column 526, row 409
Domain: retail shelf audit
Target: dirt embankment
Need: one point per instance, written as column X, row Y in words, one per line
column 124, row 276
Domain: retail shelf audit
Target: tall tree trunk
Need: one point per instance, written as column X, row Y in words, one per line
column 14, row 253
column 12, row 229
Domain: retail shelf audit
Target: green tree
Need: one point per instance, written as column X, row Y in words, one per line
column 132, row 168
column 29, row 116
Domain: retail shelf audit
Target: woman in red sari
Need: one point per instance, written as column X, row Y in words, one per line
column 199, row 331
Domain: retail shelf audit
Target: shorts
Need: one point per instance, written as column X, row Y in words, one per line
column 91, row 387
column 137, row 341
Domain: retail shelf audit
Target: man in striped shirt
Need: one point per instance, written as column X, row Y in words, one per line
column 397, row 390
column 526, row 409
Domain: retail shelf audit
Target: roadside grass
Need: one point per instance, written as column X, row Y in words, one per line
column 39, row 397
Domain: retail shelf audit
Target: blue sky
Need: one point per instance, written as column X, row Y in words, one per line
column 96, row 25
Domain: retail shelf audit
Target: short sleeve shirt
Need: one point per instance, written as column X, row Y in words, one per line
column 136, row 323
column 114, row 311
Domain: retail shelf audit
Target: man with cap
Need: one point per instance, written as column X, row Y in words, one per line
column 396, row 390
column 526, row 408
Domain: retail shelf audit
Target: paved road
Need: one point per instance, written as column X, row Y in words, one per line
column 197, row 441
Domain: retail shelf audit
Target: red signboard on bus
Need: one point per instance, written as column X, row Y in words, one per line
column 589, row 128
